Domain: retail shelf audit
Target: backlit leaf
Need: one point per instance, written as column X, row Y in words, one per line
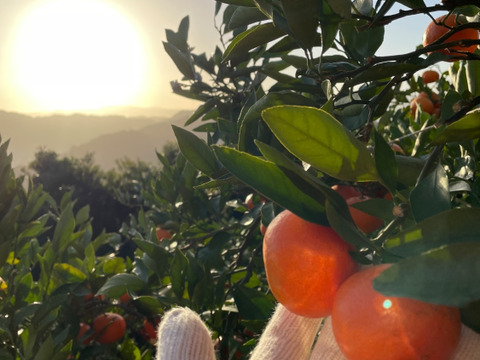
column 250, row 39
column 270, row 181
column 467, row 128
column 447, row 275
column 119, row 284
column 431, row 196
column 196, row 151
column 317, row 138
column 456, row 225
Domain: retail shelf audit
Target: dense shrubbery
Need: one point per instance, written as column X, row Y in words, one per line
column 269, row 132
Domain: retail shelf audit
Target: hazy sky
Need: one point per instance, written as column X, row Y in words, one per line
column 47, row 44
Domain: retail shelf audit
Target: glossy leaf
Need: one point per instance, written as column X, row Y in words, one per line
column 251, row 304
column 302, row 20
column 341, row 7
column 361, row 44
column 431, row 196
column 182, row 62
column 69, row 273
column 317, row 138
column 467, row 128
column 473, row 74
column 248, row 122
column 64, row 229
column 196, row 151
column 383, row 71
column 256, row 36
column 244, row 16
column 448, row 227
column 447, row 275
column 385, row 162
column 270, row 181
column 238, row 2
column 119, row 284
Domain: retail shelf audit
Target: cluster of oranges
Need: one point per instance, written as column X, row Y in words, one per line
column 310, row 271
column 429, row 103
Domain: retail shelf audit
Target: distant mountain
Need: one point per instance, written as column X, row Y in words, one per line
column 137, row 144
column 72, row 134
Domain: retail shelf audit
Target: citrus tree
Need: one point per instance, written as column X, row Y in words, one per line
column 297, row 105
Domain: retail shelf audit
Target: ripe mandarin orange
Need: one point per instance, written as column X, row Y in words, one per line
column 109, row 328
column 430, row 76
column 162, row 233
column 425, row 103
column 365, row 222
column 305, row 264
column 368, row 325
column 434, row 31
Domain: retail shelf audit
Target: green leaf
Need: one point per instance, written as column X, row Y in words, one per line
column 64, row 229
column 246, row 41
column 183, row 28
column 178, row 269
column 409, row 168
column 201, row 110
column 452, row 226
column 467, row 128
column 120, row 284
column 69, row 273
column 252, row 304
column 473, row 74
column 248, row 126
column 382, row 71
column 431, row 195
column 385, row 162
column 270, row 181
column 182, row 62
column 302, row 19
column 447, row 275
column 196, row 151
column 361, row 44
column 317, row 138
column 341, row 7
column 238, row 2
column 244, row 16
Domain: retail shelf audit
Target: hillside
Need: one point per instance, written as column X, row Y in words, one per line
column 75, row 134
column 137, row 144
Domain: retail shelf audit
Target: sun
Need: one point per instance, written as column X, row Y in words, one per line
column 78, row 54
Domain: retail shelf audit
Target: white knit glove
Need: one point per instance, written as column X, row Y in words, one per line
column 183, row 336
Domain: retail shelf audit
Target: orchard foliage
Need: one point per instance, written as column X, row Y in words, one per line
column 293, row 101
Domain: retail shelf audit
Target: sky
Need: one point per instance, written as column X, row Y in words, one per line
column 46, row 45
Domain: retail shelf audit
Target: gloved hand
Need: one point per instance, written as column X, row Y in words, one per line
column 183, row 336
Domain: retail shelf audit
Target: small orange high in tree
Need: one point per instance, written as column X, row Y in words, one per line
column 440, row 27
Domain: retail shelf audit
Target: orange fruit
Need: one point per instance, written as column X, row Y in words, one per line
column 424, row 102
column 346, row 191
column 109, row 328
column 305, row 264
column 162, row 233
column 149, row 330
column 365, row 222
column 368, row 325
column 434, row 31
column 430, row 76
column 263, row 229
column 83, row 329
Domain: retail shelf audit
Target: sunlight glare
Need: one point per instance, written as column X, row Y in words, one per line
column 78, row 54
